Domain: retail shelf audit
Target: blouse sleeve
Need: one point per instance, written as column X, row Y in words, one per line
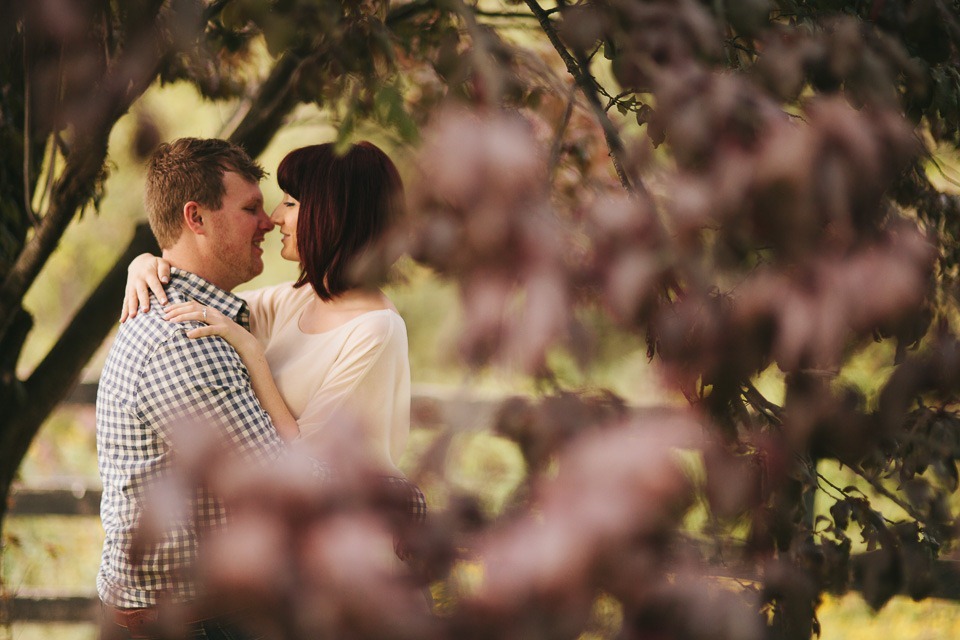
column 369, row 383
column 264, row 305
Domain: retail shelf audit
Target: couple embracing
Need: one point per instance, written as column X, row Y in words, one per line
column 284, row 363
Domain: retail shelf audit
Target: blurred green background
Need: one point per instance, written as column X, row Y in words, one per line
column 63, row 553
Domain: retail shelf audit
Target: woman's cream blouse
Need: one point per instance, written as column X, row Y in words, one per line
column 355, row 374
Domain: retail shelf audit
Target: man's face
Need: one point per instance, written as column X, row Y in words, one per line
column 235, row 232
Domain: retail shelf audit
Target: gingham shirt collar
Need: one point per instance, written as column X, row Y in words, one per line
column 196, row 288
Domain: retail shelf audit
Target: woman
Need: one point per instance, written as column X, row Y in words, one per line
column 321, row 351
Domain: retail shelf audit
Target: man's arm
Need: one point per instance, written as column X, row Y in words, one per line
column 204, row 381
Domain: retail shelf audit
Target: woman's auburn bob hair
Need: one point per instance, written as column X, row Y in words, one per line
column 347, row 201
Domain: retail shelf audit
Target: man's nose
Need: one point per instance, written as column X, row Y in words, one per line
column 266, row 222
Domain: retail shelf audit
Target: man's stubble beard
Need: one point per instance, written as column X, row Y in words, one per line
column 238, row 270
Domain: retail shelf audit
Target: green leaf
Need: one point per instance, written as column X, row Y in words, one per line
column 391, row 111
column 347, row 126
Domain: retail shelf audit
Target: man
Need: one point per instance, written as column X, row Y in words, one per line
column 206, row 210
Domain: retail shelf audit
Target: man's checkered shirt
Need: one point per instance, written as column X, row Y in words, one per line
column 155, row 378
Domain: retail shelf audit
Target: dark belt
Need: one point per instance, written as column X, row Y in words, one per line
column 141, row 623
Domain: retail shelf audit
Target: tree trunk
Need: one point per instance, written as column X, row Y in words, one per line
column 27, row 404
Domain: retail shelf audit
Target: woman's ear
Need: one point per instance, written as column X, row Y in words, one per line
column 193, row 218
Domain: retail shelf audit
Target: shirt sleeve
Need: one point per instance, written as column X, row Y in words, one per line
column 204, row 380
column 369, row 381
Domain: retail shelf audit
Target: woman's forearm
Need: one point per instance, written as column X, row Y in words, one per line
column 266, row 390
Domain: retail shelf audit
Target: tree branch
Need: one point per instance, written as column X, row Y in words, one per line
column 72, row 190
column 886, row 493
column 580, row 70
column 615, row 100
column 12, row 345
column 274, row 100
column 507, row 14
column 58, row 373
column 771, row 411
column 557, row 147
column 409, row 10
column 27, row 206
column 129, row 79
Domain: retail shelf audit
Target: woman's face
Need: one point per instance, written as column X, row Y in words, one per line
column 285, row 217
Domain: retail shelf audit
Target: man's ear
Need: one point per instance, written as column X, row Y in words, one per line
column 193, row 218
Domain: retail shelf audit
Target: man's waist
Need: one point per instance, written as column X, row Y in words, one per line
column 149, row 622
column 129, row 588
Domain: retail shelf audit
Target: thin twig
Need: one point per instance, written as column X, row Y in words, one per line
column 610, row 131
column 561, row 130
column 847, row 495
column 56, row 141
column 771, row 411
column 502, row 14
column 579, row 69
column 617, row 101
column 482, row 56
column 733, row 43
column 843, row 493
column 214, row 10
column 51, row 171
column 27, row 205
column 942, row 171
column 886, row 493
column 411, row 9
column 596, row 50
column 617, row 98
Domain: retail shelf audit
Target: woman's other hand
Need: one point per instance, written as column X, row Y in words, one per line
column 145, row 274
column 215, row 324
column 250, row 351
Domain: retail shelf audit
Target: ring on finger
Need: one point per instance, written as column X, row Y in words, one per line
column 204, row 314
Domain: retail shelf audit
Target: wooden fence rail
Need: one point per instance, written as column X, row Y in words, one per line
column 27, row 501
column 51, row 605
